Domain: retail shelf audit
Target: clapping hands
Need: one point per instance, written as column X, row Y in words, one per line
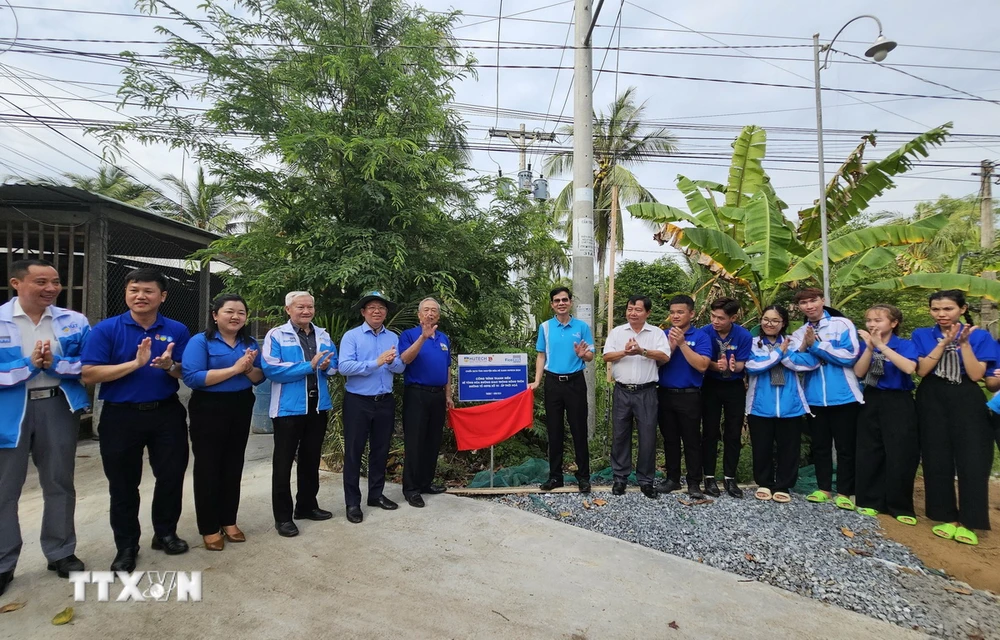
column 387, row 356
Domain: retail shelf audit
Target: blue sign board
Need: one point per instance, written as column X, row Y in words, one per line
column 491, row 376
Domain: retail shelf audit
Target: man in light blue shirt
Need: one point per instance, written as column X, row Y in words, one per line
column 368, row 359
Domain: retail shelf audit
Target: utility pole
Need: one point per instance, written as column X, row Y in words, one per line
column 989, row 313
column 583, row 185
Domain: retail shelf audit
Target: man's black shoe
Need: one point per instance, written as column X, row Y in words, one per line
column 712, row 487
column 618, row 489
column 668, row 486
column 384, row 503
column 435, row 489
column 313, row 514
column 65, row 565
column 170, row 545
column 286, row 529
column 649, row 491
column 584, row 486
column 5, row 579
column 732, row 488
column 125, row 559
column 695, row 492
column 355, row 515
column 415, row 501
column 551, row 483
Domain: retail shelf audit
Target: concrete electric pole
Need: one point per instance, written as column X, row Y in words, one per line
column 988, row 315
column 583, row 183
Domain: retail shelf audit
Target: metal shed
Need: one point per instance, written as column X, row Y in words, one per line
column 94, row 241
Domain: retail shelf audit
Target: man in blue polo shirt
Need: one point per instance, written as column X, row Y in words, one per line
column 565, row 346
column 426, row 352
column 368, row 359
column 724, row 395
column 679, row 397
column 137, row 358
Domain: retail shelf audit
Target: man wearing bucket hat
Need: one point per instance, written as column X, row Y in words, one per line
column 368, row 359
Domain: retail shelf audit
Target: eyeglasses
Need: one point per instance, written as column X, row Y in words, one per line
column 557, row 300
column 769, row 321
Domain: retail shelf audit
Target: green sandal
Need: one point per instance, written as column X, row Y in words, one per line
column 966, row 536
column 944, row 530
column 866, row 511
column 910, row 520
column 818, row 497
column 843, row 502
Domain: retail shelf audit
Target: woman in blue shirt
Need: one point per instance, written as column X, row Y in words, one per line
column 221, row 368
column 776, row 403
column 954, row 428
column 888, row 449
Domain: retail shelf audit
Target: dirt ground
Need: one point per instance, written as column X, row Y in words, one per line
column 979, row 566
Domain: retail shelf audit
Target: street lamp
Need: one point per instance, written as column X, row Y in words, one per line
column 878, row 51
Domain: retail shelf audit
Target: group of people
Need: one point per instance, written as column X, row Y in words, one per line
column 846, row 387
column 48, row 354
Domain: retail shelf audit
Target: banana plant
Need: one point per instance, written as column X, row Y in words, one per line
column 749, row 241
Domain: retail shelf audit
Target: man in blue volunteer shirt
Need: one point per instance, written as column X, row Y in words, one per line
column 137, row 358
column 368, row 359
column 679, row 396
column 40, row 395
column 833, row 393
column 426, row 352
column 565, row 346
column 724, row 395
column 298, row 357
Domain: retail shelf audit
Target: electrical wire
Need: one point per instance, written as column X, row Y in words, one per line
column 17, row 28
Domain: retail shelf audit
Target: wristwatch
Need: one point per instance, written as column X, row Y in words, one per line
column 644, row 353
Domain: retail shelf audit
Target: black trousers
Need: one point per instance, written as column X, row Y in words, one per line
column 567, row 398
column 955, row 439
column 680, row 420
column 828, row 425
column 423, row 423
column 297, row 439
column 723, row 403
column 888, row 452
column 125, row 433
column 636, row 408
column 367, row 420
column 775, row 444
column 220, row 427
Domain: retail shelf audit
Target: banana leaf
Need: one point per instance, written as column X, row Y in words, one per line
column 720, row 247
column 661, row 213
column 860, row 241
column 973, row 286
column 875, row 258
column 702, row 208
column 853, row 187
column 746, row 173
column 710, row 186
column 768, row 238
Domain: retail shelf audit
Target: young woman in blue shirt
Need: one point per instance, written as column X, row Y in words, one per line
column 955, row 435
column 776, row 404
column 888, row 449
column 221, row 366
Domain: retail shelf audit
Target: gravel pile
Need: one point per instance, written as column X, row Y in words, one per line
column 819, row 551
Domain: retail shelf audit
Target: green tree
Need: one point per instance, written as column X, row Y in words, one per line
column 205, row 204
column 619, row 144
column 749, row 242
column 114, row 183
column 660, row 280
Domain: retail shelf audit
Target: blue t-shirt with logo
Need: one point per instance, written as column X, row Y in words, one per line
column 677, row 373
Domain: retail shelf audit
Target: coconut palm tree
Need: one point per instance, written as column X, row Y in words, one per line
column 619, row 144
column 205, row 204
column 112, row 182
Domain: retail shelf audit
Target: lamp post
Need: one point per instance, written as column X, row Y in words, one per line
column 878, row 51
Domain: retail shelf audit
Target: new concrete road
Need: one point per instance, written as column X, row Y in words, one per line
column 455, row 569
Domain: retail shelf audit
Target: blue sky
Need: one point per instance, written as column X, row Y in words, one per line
column 766, row 43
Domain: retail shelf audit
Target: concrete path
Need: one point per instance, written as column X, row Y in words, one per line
column 456, row 569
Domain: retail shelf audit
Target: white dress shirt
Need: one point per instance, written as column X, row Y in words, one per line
column 32, row 333
column 636, row 369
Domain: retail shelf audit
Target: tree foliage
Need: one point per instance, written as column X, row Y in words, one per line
column 660, row 280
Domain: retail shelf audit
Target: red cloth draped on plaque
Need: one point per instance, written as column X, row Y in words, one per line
column 488, row 424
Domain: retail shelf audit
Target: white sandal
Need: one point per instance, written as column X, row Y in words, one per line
column 763, row 493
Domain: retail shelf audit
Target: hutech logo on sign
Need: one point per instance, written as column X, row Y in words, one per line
column 139, row 586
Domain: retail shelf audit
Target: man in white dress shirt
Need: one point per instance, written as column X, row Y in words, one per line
column 634, row 351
